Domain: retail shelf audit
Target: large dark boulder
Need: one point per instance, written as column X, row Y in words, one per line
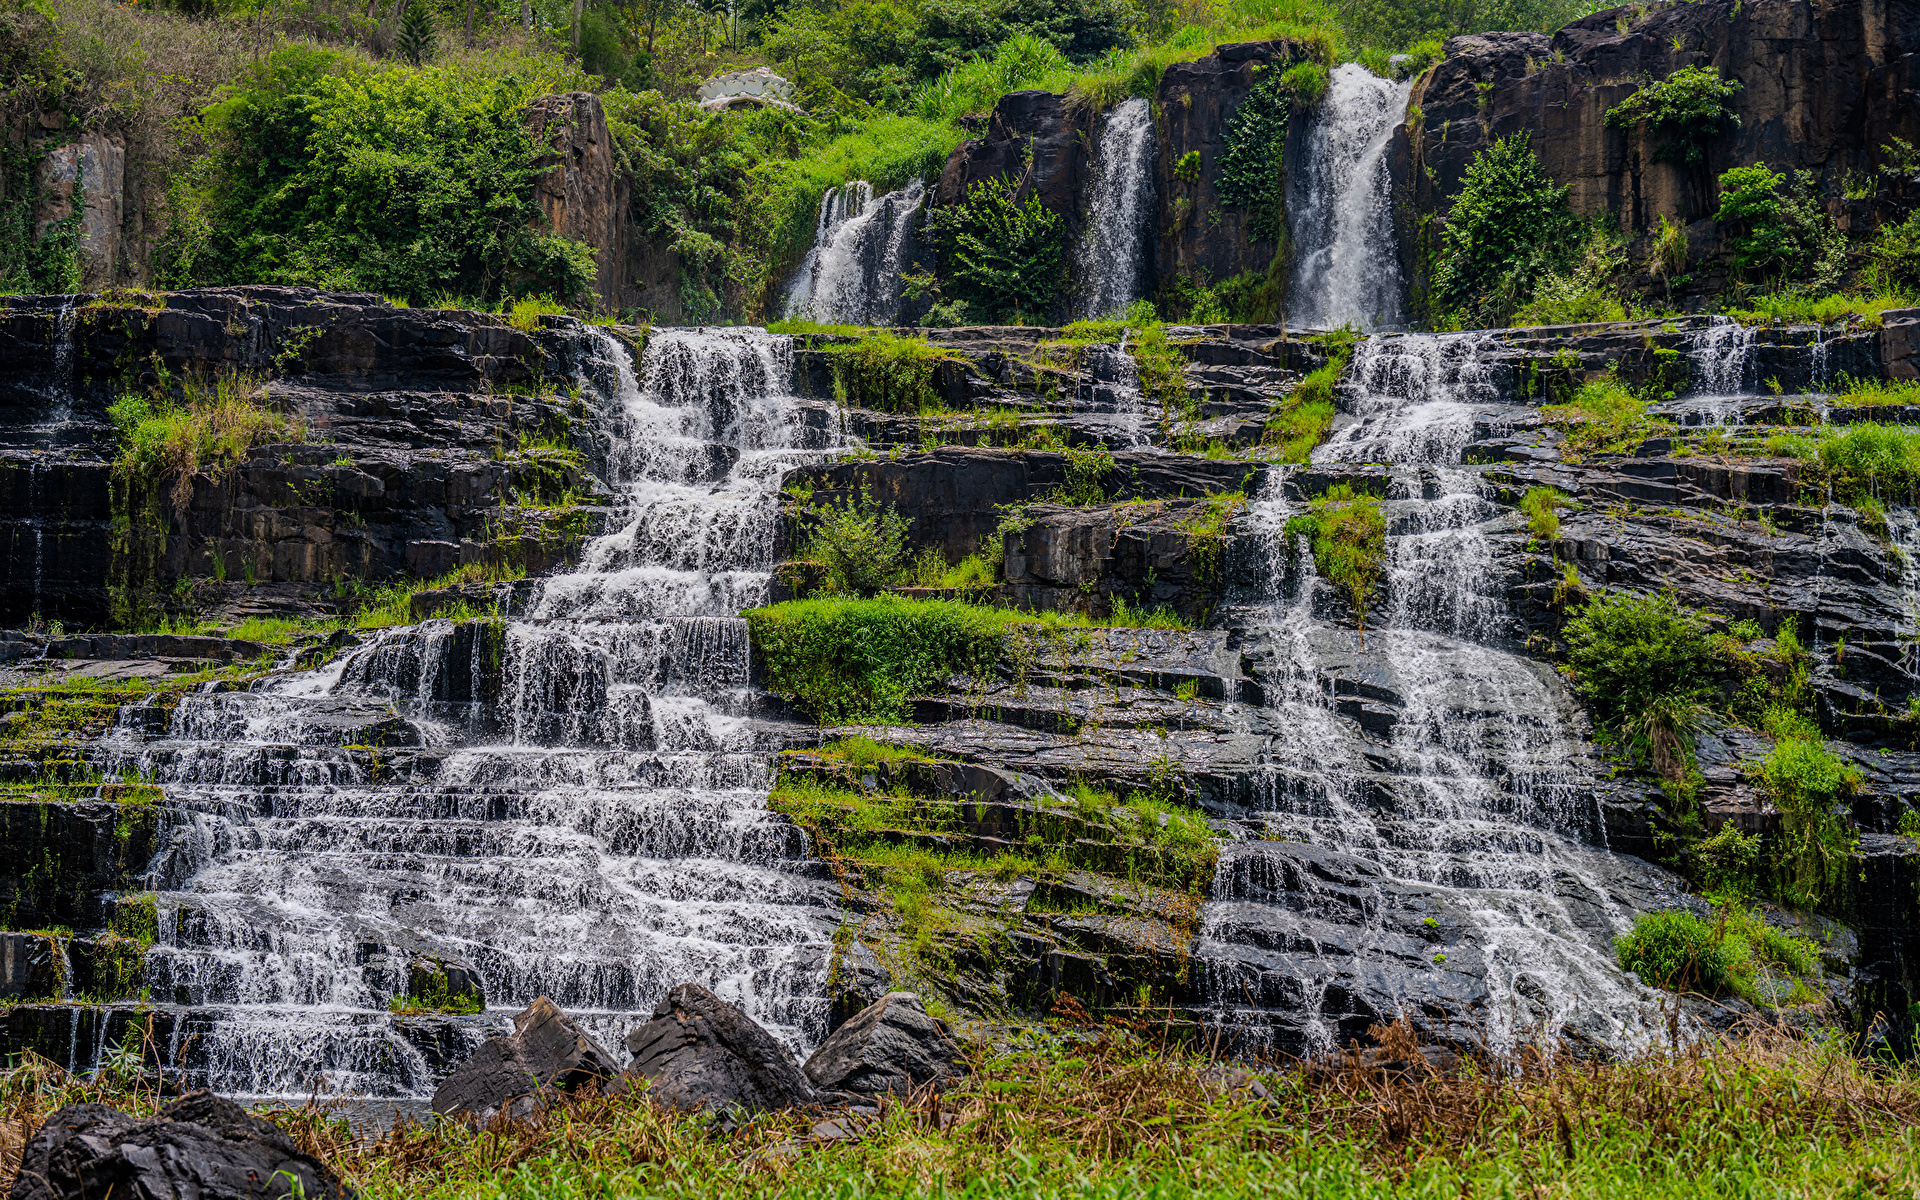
column 698, row 1051
column 200, row 1147
column 892, row 1045
column 545, row 1053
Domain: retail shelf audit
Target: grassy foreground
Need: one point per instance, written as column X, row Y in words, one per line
column 1111, row 1114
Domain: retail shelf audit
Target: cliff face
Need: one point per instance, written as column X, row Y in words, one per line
column 1823, row 86
column 402, row 451
column 1199, row 234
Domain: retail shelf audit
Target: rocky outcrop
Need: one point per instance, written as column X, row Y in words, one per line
column 891, row 1046
column 545, row 1054
column 1820, row 92
column 581, row 188
column 1199, row 235
column 200, row 1146
column 701, row 1053
column 399, row 453
column 64, row 860
column 1032, row 137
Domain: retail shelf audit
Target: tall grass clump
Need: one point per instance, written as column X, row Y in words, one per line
column 1603, row 416
column 210, row 426
column 1865, row 460
column 1348, row 536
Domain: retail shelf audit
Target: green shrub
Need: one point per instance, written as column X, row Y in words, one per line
column 851, row 660
column 1585, row 291
column 1631, row 651
column 1807, row 783
column 1685, row 111
column 1348, row 536
column 1509, row 226
column 860, row 545
column 1676, row 951
column 410, row 183
column 1868, row 459
column 211, row 427
column 1300, row 422
column 886, row 372
column 1896, row 255
column 1724, row 863
column 1002, row 253
column 1787, row 234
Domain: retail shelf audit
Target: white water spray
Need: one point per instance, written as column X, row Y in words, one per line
column 1341, row 201
column 1112, row 250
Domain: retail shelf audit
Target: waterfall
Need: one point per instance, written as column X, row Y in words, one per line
column 1112, row 252
column 1468, row 801
column 851, row 276
column 587, row 819
column 1721, row 353
column 1347, row 269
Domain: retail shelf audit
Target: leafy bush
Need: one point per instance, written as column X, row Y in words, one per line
column 1724, row 862
column 1348, row 535
column 886, row 372
column 319, row 164
column 1896, row 254
column 1685, row 110
column 165, row 441
column 1300, row 422
column 1806, row 782
column 1005, row 254
column 1585, row 290
column 854, row 660
column 1509, row 226
column 860, row 545
column 1630, row 652
column 1676, row 951
column 1542, row 505
column 1778, row 232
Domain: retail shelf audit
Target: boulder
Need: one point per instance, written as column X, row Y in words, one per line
column 546, row 1052
column 698, row 1051
column 199, row 1146
column 892, row 1045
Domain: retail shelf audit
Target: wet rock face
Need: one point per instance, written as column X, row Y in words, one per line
column 545, row 1053
column 1814, row 77
column 892, row 1045
column 1198, row 233
column 64, row 860
column 699, row 1052
column 399, row 455
column 200, row 1146
column 581, row 188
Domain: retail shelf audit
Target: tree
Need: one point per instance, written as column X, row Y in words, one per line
column 416, row 40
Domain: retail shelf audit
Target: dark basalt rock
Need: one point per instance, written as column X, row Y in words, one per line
column 892, row 1045
column 200, row 1147
column 699, row 1052
column 545, row 1053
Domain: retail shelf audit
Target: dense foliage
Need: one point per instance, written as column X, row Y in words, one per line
column 1779, row 232
column 1002, row 252
column 413, row 183
column 1509, row 227
column 1631, row 652
column 1250, row 168
column 1685, row 111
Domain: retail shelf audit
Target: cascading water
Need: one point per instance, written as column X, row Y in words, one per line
column 1721, row 352
column 587, row 819
column 1341, row 204
column 851, row 276
column 1112, row 250
column 1471, row 804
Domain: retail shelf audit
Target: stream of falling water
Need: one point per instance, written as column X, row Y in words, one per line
column 1341, row 201
column 1112, row 252
column 1474, row 792
column 851, row 276
column 586, row 818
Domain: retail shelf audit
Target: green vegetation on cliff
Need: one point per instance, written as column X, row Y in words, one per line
column 1348, row 536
